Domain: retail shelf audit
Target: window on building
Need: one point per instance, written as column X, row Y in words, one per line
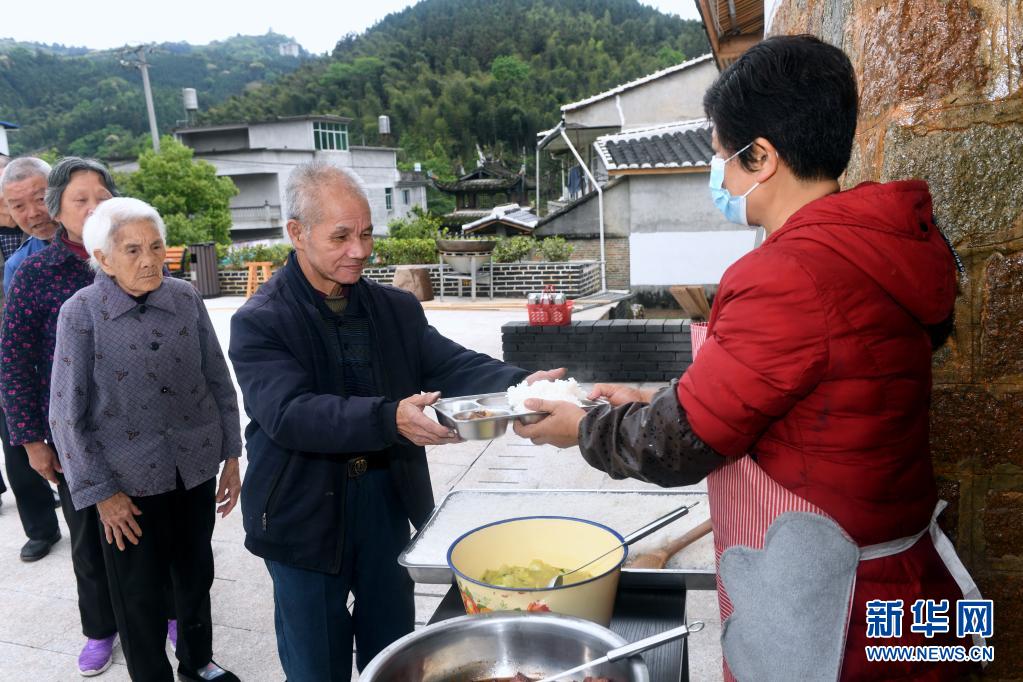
column 330, row 136
column 388, row 198
column 406, row 197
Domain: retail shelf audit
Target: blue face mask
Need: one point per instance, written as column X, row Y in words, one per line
column 733, row 208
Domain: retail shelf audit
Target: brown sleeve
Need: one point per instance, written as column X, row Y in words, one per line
column 650, row 442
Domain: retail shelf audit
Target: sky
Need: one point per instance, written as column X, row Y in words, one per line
column 316, row 24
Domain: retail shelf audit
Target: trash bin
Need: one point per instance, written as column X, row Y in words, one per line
column 204, row 265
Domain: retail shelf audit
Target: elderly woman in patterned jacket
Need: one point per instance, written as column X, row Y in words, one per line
column 144, row 412
column 35, row 292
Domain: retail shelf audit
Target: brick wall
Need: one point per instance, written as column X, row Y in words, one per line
column 511, row 280
column 615, row 250
column 603, row 350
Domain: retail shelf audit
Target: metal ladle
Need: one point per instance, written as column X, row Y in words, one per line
column 630, row 649
column 559, row 579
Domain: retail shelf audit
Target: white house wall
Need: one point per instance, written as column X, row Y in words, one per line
column 667, row 258
column 255, row 189
column 377, row 170
column 677, row 202
column 282, row 135
column 4, row 149
column 675, row 97
column 677, row 234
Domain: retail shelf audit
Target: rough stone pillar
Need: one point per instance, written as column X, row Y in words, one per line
column 941, row 100
column 414, row 279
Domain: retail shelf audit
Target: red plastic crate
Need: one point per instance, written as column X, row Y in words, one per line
column 549, row 314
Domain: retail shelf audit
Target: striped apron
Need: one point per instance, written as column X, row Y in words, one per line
column 745, row 501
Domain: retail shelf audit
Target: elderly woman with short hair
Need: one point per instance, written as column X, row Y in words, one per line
column 36, row 291
column 143, row 411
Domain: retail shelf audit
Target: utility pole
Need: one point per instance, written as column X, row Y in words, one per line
column 136, row 57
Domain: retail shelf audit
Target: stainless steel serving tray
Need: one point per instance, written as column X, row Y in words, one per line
column 453, row 413
column 431, row 566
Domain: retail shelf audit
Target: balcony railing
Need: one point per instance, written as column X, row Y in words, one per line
column 267, row 214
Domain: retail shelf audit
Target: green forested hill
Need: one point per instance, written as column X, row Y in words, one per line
column 84, row 102
column 451, row 74
column 454, row 73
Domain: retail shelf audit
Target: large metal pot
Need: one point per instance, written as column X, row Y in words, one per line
column 465, row 256
column 499, row 644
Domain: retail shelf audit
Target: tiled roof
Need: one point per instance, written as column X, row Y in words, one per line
column 679, row 145
column 639, row 81
column 477, row 185
column 510, row 214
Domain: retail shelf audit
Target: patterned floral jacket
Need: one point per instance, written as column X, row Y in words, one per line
column 42, row 283
column 140, row 392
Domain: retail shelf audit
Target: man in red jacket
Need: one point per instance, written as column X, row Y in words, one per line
column 807, row 407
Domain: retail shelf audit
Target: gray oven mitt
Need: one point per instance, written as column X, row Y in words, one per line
column 791, row 601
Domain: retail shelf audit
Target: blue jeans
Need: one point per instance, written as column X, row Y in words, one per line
column 315, row 630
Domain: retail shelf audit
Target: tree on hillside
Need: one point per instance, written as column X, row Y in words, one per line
column 193, row 201
column 464, row 72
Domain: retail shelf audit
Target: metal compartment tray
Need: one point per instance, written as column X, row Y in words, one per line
column 453, row 413
column 460, row 511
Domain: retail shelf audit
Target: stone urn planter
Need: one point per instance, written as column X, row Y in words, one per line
column 459, row 253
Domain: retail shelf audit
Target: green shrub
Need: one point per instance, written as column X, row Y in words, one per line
column 235, row 257
column 512, row 249
column 391, row 251
column 555, row 249
column 417, row 225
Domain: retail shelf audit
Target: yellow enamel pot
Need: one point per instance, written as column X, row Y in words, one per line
column 560, row 541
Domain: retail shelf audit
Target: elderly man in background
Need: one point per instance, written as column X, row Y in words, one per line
column 22, row 191
column 331, row 366
column 11, row 236
column 24, row 188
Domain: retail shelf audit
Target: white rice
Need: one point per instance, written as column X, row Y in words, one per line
column 624, row 511
column 559, row 389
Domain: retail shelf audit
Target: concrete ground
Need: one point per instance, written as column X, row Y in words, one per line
column 40, row 634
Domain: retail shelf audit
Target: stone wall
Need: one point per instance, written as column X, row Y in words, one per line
column 941, row 100
column 511, row 280
column 603, row 350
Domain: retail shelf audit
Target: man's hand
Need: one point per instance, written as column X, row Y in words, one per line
column 616, row 394
column 559, row 428
column 118, row 513
column 414, row 425
column 547, row 374
column 43, row 459
column 230, row 488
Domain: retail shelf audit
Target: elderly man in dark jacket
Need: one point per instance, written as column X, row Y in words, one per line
column 331, row 367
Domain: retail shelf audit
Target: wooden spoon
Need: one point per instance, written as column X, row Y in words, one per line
column 659, row 557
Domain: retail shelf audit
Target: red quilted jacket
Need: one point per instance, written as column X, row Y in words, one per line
column 818, row 361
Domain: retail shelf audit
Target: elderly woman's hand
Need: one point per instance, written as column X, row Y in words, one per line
column 230, row 487
column 559, row 428
column 118, row 513
column 43, row 459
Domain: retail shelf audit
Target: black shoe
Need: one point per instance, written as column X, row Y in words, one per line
column 192, row 676
column 34, row 550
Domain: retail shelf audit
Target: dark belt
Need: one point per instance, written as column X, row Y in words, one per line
column 357, row 466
